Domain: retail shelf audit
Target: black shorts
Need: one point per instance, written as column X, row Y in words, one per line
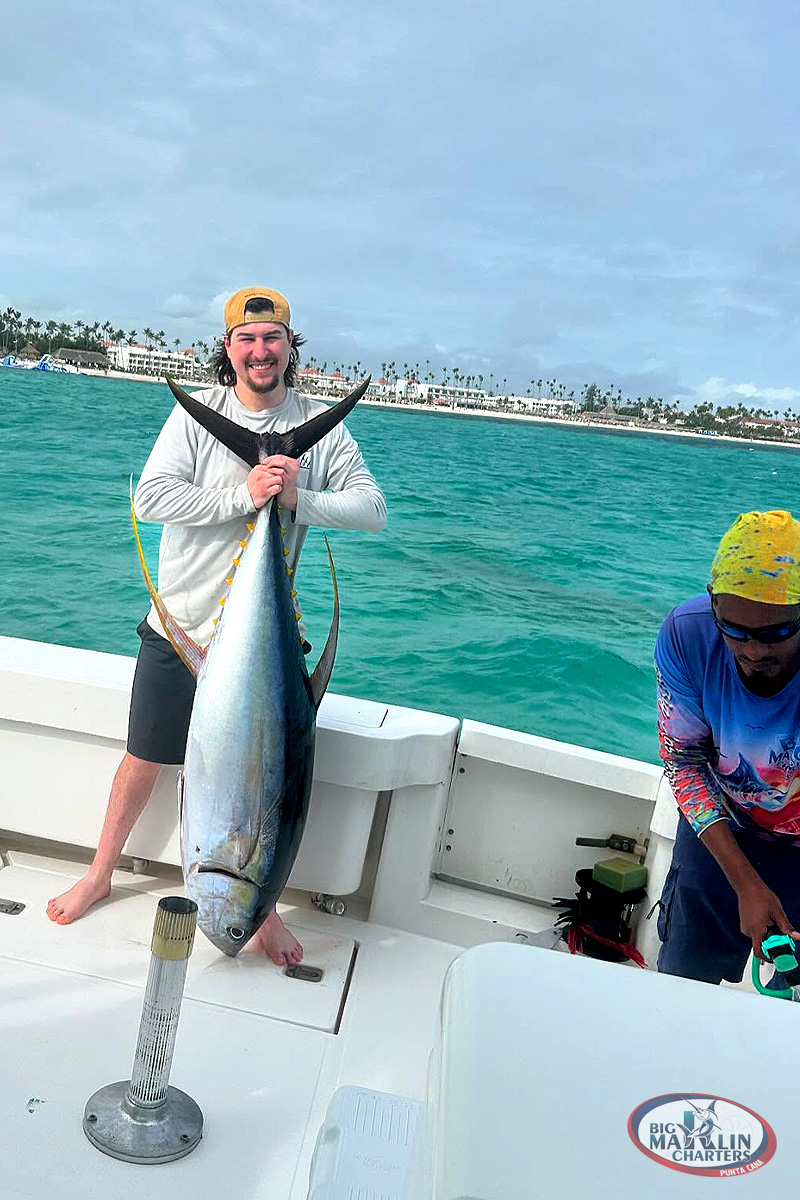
column 161, row 700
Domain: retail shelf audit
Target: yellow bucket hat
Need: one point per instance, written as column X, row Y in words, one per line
column 759, row 559
column 235, row 308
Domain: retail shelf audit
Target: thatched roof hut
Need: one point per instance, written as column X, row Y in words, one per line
column 29, row 351
column 82, row 358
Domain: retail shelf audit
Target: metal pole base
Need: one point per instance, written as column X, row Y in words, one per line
column 142, row 1135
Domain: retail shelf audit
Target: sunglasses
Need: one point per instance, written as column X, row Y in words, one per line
column 769, row 634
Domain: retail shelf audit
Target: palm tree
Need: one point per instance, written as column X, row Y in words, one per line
column 6, row 327
column 149, row 337
column 131, row 338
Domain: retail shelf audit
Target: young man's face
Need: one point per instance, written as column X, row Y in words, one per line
column 759, row 660
column 259, row 354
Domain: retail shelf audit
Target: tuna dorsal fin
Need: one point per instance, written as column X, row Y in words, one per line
column 190, row 654
column 253, row 447
column 322, row 672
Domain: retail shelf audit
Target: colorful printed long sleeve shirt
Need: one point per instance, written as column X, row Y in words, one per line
column 728, row 753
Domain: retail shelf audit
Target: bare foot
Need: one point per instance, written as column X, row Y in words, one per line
column 275, row 940
column 72, row 904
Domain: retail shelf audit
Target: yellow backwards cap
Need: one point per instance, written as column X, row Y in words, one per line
column 759, row 559
column 275, row 308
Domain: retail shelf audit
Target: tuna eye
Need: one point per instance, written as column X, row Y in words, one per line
column 235, row 933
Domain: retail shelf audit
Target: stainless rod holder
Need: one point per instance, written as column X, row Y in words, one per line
column 143, row 1119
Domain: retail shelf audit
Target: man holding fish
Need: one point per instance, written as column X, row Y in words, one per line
column 208, row 499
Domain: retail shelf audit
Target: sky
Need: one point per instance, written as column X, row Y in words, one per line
column 594, row 192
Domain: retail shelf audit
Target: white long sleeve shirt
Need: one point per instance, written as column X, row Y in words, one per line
column 197, row 489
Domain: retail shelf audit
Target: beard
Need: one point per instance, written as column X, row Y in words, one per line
column 263, row 384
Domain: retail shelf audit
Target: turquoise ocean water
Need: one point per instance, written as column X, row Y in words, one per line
column 521, row 579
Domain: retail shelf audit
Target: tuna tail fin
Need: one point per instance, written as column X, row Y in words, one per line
column 324, row 668
column 251, row 447
column 243, row 442
column 190, row 654
column 298, row 440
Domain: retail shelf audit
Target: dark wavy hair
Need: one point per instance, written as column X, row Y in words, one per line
column 222, row 367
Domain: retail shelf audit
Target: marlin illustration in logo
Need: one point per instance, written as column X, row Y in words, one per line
column 703, row 1132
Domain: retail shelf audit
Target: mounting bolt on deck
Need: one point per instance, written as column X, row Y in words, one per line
column 143, row 1119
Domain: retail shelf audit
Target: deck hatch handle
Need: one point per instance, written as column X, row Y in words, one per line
column 11, row 908
column 307, row 974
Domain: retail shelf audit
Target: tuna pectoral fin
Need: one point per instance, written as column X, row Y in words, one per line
column 322, row 672
column 187, row 650
column 253, row 448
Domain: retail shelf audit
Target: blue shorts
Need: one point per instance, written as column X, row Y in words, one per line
column 698, row 921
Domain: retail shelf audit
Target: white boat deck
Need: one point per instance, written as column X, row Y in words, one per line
column 441, row 835
column 262, row 1054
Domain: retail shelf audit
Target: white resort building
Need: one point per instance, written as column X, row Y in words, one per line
column 143, row 360
column 543, row 406
column 411, row 391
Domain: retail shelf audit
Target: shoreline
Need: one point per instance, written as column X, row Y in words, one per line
column 584, row 426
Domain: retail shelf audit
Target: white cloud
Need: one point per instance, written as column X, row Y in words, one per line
column 751, row 392
column 181, row 306
column 716, row 390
